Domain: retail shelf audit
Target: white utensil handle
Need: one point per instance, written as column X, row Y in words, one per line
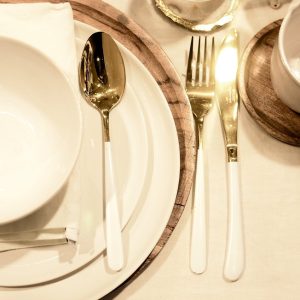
column 198, row 257
column 114, row 245
column 235, row 256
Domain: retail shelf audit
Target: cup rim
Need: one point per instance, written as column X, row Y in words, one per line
column 282, row 55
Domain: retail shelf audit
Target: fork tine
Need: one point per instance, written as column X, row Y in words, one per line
column 212, row 62
column 204, row 66
column 197, row 81
column 189, row 74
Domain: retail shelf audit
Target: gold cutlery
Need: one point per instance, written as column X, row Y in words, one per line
column 102, row 81
column 200, row 88
column 228, row 102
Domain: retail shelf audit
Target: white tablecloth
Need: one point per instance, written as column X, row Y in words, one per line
column 270, row 172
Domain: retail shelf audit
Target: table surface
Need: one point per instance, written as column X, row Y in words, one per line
column 270, row 172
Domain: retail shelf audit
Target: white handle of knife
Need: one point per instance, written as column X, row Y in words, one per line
column 235, row 252
column 198, row 256
column 114, row 245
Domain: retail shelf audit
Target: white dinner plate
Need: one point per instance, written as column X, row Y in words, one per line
column 39, row 146
column 129, row 139
column 156, row 196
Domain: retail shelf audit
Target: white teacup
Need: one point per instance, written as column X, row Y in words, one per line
column 285, row 60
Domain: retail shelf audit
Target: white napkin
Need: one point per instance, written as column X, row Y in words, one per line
column 50, row 28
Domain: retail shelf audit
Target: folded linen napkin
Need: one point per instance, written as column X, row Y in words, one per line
column 50, row 28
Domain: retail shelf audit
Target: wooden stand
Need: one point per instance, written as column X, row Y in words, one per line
column 257, row 93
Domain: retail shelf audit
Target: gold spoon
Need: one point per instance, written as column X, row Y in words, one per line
column 102, row 81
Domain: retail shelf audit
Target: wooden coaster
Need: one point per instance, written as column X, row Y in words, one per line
column 256, row 89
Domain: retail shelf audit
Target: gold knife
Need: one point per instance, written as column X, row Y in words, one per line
column 228, row 103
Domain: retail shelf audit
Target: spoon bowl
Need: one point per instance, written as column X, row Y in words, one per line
column 102, row 75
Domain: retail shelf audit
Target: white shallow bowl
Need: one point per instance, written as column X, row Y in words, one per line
column 40, row 129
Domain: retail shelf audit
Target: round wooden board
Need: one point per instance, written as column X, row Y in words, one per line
column 108, row 19
column 256, row 90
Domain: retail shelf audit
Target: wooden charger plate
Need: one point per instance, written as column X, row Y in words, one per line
column 256, row 89
column 106, row 18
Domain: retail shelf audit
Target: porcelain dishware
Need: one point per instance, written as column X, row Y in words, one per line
column 285, row 60
column 136, row 130
column 40, row 129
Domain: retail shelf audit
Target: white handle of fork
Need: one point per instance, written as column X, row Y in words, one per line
column 198, row 256
column 235, row 252
column 113, row 230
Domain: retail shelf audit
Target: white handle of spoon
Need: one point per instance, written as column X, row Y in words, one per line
column 114, row 245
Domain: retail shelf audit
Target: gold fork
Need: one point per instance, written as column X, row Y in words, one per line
column 200, row 88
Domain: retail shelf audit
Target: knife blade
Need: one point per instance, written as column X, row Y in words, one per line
column 228, row 103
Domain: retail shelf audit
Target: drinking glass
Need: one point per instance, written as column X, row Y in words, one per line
column 199, row 15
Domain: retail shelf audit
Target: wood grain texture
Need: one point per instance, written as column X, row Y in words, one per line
column 108, row 19
column 256, row 90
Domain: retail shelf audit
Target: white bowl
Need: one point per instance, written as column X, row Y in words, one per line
column 285, row 60
column 40, row 129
